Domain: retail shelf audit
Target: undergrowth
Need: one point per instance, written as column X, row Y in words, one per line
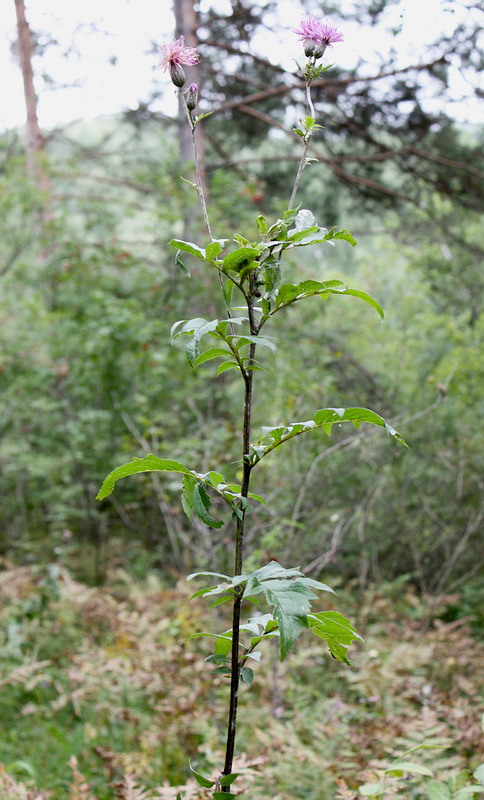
column 99, row 700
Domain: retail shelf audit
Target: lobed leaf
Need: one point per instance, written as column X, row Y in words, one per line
column 336, row 630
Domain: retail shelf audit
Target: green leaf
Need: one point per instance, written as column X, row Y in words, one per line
column 180, row 264
column 201, row 506
column 220, row 600
column 204, row 115
column 189, row 482
column 228, row 290
column 262, row 225
column 336, row 630
column 409, row 766
column 371, row 789
column 227, row 365
column 240, row 258
column 436, row 790
column 227, row 780
column 291, row 606
column 264, row 341
column 289, row 292
column 214, row 248
column 204, row 634
column 324, row 418
column 246, row 675
column 478, row 773
column 189, row 247
column 468, row 791
column 223, row 795
column 212, row 574
column 223, row 645
column 257, row 497
column 214, row 352
column 149, row 463
column 367, row 298
column 298, row 236
column 343, row 234
column 201, row 779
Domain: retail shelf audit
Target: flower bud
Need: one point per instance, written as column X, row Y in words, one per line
column 177, row 75
column 313, row 48
column 309, row 47
column 192, row 96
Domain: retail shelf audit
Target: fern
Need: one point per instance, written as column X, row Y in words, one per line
column 79, row 788
column 129, row 789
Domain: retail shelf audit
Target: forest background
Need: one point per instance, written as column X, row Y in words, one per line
column 87, row 379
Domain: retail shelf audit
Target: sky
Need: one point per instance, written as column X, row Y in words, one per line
column 112, row 65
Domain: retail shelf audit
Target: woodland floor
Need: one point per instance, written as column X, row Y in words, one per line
column 98, row 699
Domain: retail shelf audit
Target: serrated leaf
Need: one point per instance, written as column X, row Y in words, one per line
column 291, row 606
column 201, row 779
column 337, row 632
column 201, row 506
column 149, row 463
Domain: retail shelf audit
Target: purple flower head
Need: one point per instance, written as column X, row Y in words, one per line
column 317, row 35
column 175, row 53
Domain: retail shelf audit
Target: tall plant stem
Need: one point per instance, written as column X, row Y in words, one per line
column 300, row 171
column 307, row 142
column 201, row 193
column 239, row 555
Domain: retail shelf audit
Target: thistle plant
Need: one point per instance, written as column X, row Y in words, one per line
column 251, row 275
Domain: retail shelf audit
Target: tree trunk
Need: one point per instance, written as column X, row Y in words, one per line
column 34, row 138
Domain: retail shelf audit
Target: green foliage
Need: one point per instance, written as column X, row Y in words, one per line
column 290, row 594
column 91, row 670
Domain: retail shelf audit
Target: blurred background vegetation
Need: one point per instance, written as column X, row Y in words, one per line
column 88, row 379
